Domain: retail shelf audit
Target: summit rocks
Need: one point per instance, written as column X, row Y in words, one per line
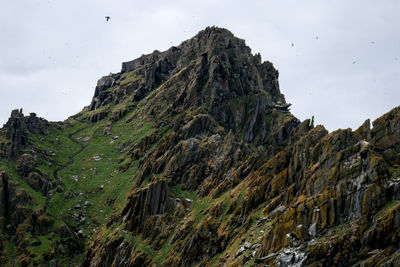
column 17, row 128
column 214, row 69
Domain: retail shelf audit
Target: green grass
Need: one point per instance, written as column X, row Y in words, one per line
column 130, row 77
column 177, row 191
column 136, row 240
column 9, row 248
column 38, row 198
column 341, row 229
column 44, row 247
column 390, row 205
column 142, row 246
column 58, row 142
column 92, row 174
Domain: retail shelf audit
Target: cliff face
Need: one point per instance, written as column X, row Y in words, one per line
column 17, row 129
column 191, row 157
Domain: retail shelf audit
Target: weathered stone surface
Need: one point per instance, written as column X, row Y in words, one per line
column 386, row 135
column 17, row 128
column 13, row 204
column 101, row 95
column 98, row 116
column 16, row 133
column 26, row 168
column 148, row 201
column 116, row 253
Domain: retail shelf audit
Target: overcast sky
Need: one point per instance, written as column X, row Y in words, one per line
column 343, row 67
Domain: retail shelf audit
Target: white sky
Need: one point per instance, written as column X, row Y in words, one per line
column 54, row 51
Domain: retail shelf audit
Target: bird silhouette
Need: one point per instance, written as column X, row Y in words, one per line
column 292, row 44
column 107, row 18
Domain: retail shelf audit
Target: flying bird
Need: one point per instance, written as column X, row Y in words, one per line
column 316, row 37
column 354, row 62
column 107, row 18
column 292, row 44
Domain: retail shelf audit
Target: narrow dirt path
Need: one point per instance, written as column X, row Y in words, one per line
column 70, row 162
column 71, row 158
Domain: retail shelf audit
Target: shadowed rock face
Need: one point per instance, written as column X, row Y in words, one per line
column 148, row 201
column 17, row 128
column 26, row 168
column 13, row 204
column 16, row 133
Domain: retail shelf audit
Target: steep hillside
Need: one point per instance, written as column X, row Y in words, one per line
column 191, row 157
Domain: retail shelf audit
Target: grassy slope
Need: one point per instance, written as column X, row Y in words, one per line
column 99, row 181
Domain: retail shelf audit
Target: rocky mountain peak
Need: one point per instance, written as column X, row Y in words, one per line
column 214, row 70
column 214, row 40
column 210, row 41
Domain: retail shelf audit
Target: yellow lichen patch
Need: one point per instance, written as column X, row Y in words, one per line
column 300, row 199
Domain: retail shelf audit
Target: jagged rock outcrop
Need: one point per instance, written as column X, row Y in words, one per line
column 16, row 133
column 17, row 128
column 385, row 135
column 222, row 68
column 149, row 201
column 101, row 95
column 116, row 253
column 14, row 204
column 26, row 166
